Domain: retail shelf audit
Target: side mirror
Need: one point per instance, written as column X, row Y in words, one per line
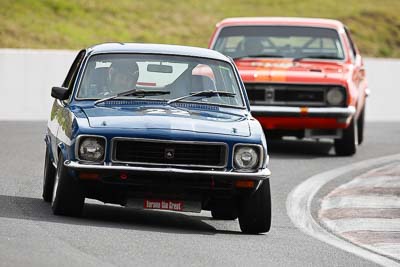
column 358, row 60
column 60, row 93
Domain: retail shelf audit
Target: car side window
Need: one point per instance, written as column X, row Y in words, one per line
column 353, row 51
column 69, row 80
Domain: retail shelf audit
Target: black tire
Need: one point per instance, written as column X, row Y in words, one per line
column 225, row 210
column 68, row 198
column 49, row 174
column 255, row 211
column 347, row 145
column 360, row 126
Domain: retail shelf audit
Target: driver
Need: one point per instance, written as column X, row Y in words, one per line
column 122, row 76
column 253, row 46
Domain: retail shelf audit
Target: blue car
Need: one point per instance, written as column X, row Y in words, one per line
column 154, row 126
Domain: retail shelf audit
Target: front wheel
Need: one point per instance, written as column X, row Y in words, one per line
column 255, row 210
column 68, row 198
column 48, row 177
column 347, row 144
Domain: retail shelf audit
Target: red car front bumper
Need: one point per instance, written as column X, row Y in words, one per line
column 296, row 118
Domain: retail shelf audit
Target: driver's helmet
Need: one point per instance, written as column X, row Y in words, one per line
column 123, row 75
column 253, row 46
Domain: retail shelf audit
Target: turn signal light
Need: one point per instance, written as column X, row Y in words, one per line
column 89, row 176
column 244, row 184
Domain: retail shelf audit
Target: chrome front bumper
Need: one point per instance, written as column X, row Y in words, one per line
column 313, row 112
column 260, row 175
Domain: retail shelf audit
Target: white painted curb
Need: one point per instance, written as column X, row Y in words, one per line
column 298, row 205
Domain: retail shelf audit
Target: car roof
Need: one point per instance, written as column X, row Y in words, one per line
column 156, row 49
column 289, row 21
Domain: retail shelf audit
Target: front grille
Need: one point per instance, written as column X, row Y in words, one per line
column 169, row 153
column 256, row 95
column 287, row 94
column 299, row 96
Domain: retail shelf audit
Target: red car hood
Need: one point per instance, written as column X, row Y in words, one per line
column 288, row 71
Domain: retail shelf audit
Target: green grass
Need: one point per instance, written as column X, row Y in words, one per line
column 73, row 24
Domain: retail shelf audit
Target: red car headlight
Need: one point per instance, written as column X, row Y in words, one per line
column 335, row 96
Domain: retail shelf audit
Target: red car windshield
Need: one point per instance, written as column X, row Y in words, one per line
column 279, row 42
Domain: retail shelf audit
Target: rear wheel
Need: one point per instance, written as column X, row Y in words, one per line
column 68, row 198
column 49, row 174
column 347, row 144
column 255, row 211
column 225, row 210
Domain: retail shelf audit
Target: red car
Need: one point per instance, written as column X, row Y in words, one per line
column 304, row 77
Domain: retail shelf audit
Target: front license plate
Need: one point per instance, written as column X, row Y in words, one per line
column 165, row 204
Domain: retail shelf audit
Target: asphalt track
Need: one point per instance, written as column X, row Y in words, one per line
column 114, row 236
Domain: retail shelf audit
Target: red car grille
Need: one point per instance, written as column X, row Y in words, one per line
column 287, row 94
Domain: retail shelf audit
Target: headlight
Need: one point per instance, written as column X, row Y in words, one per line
column 91, row 148
column 335, row 96
column 246, row 158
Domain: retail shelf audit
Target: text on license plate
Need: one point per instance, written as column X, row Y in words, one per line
column 163, row 204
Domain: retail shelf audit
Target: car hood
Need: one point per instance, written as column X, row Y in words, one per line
column 288, row 71
column 168, row 118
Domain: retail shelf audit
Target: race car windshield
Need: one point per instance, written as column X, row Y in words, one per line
column 158, row 78
column 279, row 42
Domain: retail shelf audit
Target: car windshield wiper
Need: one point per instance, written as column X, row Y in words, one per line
column 260, row 55
column 207, row 93
column 135, row 92
column 315, row 56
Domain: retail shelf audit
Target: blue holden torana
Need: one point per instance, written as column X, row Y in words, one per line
column 157, row 127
